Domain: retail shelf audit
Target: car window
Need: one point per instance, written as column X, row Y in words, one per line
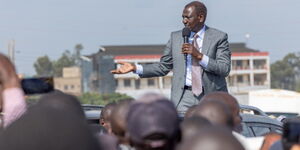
column 260, row 130
column 246, row 131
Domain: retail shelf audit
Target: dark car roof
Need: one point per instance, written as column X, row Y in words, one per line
column 256, row 110
column 247, row 118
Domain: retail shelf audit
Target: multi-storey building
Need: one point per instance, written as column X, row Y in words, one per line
column 70, row 82
column 250, row 70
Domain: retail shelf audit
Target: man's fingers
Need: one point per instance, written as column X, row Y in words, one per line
column 121, row 62
column 114, row 71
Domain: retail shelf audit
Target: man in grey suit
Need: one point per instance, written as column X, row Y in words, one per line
column 199, row 66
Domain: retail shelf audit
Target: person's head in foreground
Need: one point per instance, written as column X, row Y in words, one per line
column 211, row 138
column 153, row 126
column 291, row 134
column 56, row 122
column 231, row 102
column 192, row 125
column 105, row 116
column 119, row 120
column 216, row 112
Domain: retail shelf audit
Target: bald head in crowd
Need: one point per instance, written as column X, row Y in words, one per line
column 216, row 112
column 231, row 102
column 192, row 125
column 106, row 115
column 212, row 138
column 119, row 121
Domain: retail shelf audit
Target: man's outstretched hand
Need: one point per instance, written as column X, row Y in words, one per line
column 125, row 68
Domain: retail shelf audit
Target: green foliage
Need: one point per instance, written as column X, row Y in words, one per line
column 285, row 73
column 101, row 99
column 43, row 66
column 66, row 60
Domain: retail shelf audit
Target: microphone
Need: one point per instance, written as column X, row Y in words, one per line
column 186, row 33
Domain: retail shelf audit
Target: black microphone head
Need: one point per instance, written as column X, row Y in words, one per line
column 186, row 32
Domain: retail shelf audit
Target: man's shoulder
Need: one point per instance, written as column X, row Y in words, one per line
column 178, row 32
column 215, row 31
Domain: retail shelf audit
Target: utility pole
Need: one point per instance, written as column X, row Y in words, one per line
column 11, row 51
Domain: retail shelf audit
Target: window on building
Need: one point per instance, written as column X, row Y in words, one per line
column 127, row 83
column 117, row 82
column 72, row 87
column 150, row 82
column 240, row 78
column 65, row 87
column 260, row 79
column 137, row 83
column 239, row 64
column 230, row 81
column 259, row 64
column 166, row 82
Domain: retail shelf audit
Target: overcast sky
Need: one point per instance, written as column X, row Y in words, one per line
column 41, row 27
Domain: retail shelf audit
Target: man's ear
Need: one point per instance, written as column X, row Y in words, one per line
column 101, row 121
column 201, row 17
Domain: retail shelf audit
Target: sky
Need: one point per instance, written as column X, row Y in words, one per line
column 48, row 27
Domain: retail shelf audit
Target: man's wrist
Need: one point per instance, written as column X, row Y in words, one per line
column 200, row 56
column 134, row 67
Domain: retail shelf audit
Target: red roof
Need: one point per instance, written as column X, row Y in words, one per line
column 251, row 54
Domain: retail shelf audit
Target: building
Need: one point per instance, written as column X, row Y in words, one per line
column 250, row 70
column 276, row 101
column 70, row 82
column 93, row 75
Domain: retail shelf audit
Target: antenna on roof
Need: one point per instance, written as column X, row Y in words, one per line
column 247, row 36
column 101, row 49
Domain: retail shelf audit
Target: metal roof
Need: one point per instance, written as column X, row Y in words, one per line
column 158, row 49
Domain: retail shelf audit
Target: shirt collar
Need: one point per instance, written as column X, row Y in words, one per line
column 200, row 33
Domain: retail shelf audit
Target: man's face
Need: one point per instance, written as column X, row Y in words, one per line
column 191, row 19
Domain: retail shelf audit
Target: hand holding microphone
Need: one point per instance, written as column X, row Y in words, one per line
column 188, row 48
column 186, row 33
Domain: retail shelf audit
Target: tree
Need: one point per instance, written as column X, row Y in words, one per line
column 285, row 73
column 78, row 48
column 66, row 60
column 43, row 66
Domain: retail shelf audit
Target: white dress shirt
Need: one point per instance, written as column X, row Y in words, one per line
column 203, row 62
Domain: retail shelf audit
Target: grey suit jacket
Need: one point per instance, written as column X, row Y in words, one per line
column 215, row 46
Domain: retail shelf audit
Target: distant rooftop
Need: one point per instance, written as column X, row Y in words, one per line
column 240, row 47
column 158, row 49
column 134, row 50
column 129, row 50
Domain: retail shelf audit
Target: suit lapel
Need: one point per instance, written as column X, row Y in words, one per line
column 182, row 59
column 206, row 41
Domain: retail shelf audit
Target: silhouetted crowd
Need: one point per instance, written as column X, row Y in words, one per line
column 151, row 122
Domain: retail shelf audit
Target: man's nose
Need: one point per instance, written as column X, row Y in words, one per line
column 184, row 21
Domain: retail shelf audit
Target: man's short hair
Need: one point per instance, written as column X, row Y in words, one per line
column 199, row 7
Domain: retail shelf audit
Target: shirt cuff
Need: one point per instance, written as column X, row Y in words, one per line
column 139, row 69
column 204, row 61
